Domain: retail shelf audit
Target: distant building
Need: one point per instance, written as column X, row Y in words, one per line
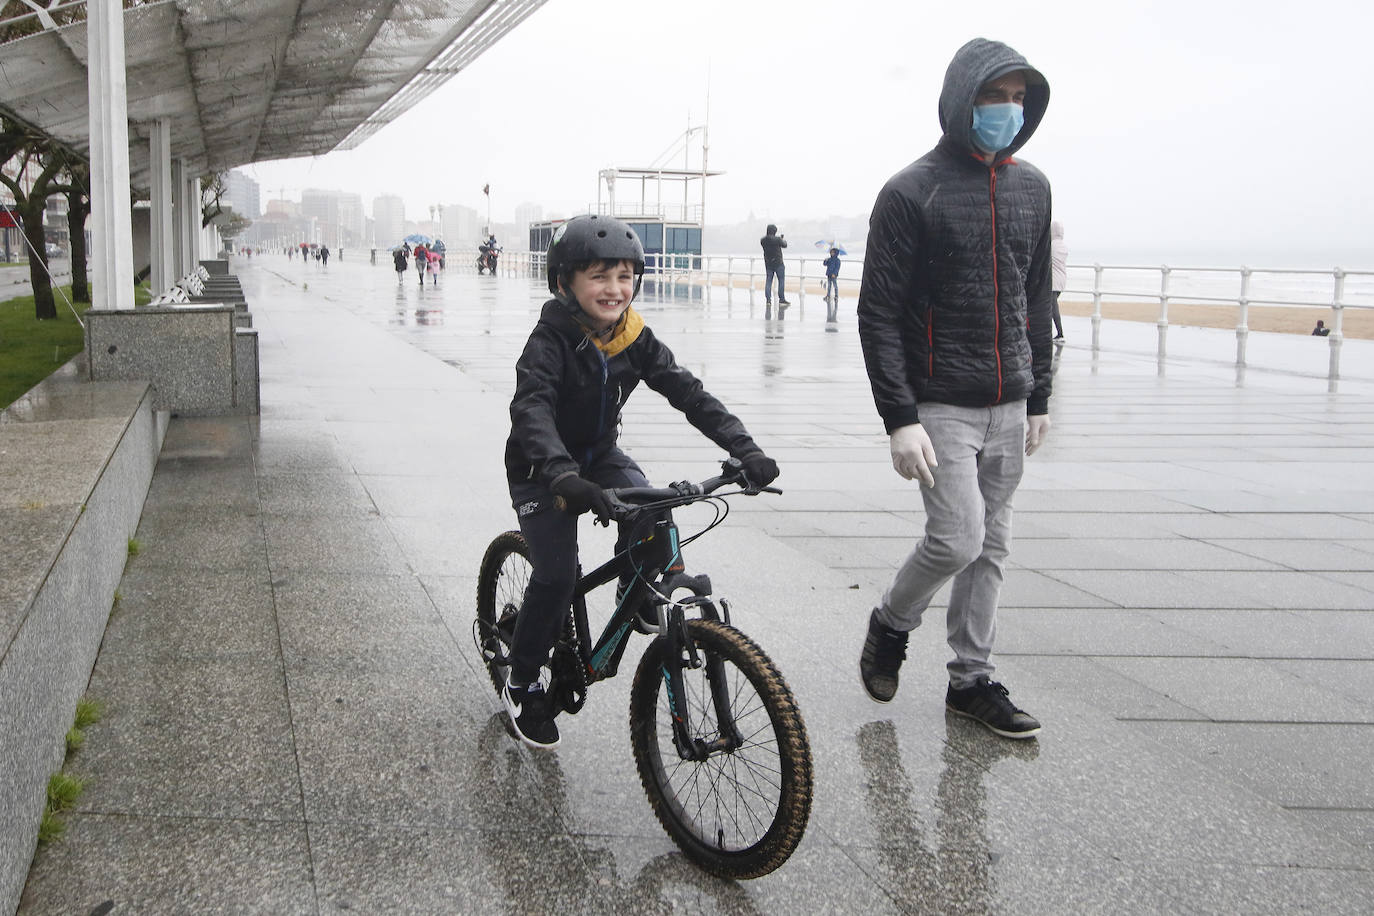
column 242, row 195
column 460, row 226
column 352, row 221
column 526, row 214
column 388, row 220
column 323, row 207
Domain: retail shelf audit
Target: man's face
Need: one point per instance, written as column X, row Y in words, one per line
column 1009, row 88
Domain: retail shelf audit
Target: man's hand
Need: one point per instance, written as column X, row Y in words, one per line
column 1037, row 428
column 912, row 454
column 580, row 495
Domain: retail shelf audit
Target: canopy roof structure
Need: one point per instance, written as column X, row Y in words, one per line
column 245, row 81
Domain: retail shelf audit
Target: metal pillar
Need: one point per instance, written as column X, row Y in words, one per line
column 163, row 265
column 112, row 237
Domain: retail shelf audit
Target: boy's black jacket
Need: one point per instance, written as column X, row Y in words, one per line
column 568, row 394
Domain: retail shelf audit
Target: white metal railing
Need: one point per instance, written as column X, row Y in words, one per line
column 1329, row 293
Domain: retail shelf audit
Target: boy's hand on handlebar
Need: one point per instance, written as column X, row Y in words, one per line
column 581, row 495
column 759, row 469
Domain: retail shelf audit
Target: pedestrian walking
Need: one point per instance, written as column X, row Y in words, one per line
column 954, row 321
column 421, row 256
column 398, row 257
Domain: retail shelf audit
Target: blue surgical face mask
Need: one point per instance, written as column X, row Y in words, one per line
column 995, row 126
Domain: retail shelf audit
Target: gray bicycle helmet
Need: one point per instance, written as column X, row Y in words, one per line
column 583, row 240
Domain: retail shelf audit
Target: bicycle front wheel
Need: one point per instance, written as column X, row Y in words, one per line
column 501, row 582
column 738, row 813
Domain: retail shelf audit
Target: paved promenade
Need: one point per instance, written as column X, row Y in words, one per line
column 296, row 720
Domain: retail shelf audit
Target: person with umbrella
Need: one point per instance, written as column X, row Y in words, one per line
column 400, row 256
column 832, row 285
column 421, row 260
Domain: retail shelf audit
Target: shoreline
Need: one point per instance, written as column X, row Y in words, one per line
column 1355, row 323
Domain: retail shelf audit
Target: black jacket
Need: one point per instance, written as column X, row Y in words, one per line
column 955, row 302
column 568, row 394
column 772, row 249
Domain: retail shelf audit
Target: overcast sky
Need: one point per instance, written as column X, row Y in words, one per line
column 1176, row 125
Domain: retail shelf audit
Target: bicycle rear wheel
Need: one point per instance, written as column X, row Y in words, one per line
column 501, row 582
column 737, row 814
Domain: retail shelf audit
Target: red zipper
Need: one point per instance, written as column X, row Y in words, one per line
column 996, row 292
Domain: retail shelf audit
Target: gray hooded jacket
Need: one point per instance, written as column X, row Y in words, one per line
column 955, row 302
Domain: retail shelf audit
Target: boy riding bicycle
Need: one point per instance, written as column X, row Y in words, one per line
column 584, row 357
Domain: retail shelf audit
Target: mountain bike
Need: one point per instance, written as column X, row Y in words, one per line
column 718, row 738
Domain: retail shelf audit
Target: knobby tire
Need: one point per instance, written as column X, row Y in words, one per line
column 739, row 814
column 501, row 582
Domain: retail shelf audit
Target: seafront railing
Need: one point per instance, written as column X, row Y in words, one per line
column 1327, row 293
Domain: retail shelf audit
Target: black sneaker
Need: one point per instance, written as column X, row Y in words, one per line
column 784, row 302
column 987, row 701
column 884, row 652
column 531, row 712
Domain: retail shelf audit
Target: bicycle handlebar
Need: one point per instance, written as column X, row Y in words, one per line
column 625, row 501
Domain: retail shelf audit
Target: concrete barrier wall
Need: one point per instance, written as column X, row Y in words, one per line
column 76, row 461
column 187, row 352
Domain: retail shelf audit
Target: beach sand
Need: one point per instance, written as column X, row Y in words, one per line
column 1291, row 320
column 1357, row 322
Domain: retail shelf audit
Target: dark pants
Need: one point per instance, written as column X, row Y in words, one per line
column 552, row 536
column 771, row 270
column 1054, row 312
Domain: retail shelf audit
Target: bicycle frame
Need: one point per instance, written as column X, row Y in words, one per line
column 655, row 561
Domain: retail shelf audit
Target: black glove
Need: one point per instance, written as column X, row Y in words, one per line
column 759, row 469
column 581, row 495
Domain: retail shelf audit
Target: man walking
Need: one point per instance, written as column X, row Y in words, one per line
column 954, row 319
column 772, row 245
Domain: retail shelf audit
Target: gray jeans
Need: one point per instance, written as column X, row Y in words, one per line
column 980, row 451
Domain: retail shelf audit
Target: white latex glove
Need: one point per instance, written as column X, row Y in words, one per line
column 1037, row 428
column 912, row 454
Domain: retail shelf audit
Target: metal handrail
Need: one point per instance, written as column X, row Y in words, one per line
column 669, row 271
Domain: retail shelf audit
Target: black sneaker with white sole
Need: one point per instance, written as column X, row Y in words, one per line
column 531, row 713
column 987, row 702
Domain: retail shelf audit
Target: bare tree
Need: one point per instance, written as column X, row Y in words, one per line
column 42, row 160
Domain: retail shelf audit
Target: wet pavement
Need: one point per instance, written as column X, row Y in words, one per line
column 297, row 722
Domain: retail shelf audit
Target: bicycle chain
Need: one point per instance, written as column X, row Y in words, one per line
column 569, row 676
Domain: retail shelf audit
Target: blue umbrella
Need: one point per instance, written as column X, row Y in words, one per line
column 418, row 239
column 825, row 246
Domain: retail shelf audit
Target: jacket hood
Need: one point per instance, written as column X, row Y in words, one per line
column 973, row 65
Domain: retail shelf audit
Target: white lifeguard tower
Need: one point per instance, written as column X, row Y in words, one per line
column 665, row 206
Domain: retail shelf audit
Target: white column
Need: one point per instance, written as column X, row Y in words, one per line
column 160, row 252
column 112, row 237
column 190, row 214
column 178, row 220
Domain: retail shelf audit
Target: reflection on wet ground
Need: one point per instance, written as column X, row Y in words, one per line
column 1186, row 609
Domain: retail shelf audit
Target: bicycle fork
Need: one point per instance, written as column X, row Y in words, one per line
column 684, row 656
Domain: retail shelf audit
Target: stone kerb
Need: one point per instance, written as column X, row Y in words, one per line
column 76, row 461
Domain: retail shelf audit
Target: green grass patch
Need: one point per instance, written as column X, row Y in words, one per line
column 134, row 547
column 88, row 712
column 64, row 788
column 63, row 791
column 31, row 350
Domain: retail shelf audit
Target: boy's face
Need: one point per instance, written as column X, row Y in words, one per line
column 604, row 292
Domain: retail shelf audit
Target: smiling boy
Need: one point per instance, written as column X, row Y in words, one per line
column 587, row 353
